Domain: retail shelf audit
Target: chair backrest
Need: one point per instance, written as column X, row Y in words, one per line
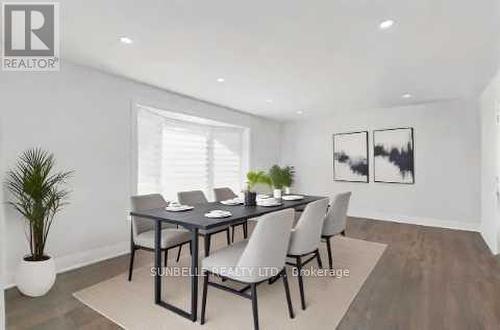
column 267, row 247
column 335, row 221
column 191, row 197
column 141, row 203
column 307, row 232
column 222, row 194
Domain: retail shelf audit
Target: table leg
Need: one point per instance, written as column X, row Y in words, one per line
column 194, row 278
column 157, row 262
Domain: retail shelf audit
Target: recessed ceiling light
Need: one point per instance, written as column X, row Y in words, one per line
column 300, row 112
column 269, row 101
column 220, row 79
column 386, row 24
column 406, row 96
column 126, row 40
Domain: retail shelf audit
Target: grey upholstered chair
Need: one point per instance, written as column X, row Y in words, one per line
column 194, row 197
column 335, row 221
column 253, row 261
column 306, row 238
column 222, row 194
column 142, row 230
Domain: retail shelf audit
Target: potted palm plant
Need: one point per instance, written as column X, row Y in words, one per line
column 38, row 195
column 254, row 178
column 278, row 180
column 288, row 178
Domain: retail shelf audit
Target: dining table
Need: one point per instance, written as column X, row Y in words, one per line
column 195, row 220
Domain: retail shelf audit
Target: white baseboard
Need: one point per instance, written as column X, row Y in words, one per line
column 81, row 259
column 490, row 241
column 430, row 222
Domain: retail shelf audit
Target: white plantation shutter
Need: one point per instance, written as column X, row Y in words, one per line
column 184, row 160
column 227, row 151
column 176, row 155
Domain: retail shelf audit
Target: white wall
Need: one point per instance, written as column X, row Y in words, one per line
column 490, row 165
column 84, row 117
column 447, row 163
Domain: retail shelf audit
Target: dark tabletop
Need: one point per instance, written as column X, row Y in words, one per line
column 195, row 218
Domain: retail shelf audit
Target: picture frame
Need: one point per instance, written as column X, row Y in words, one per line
column 351, row 157
column 394, row 155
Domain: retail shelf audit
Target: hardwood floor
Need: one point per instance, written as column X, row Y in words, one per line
column 428, row 278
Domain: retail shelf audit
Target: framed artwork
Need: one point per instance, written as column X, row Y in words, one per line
column 350, row 157
column 393, row 155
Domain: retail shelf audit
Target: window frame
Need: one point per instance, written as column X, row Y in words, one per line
column 134, row 142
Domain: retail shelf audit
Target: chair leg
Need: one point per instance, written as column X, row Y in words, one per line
column 255, row 310
column 207, row 245
column 131, row 265
column 245, row 230
column 301, row 283
column 273, row 279
column 329, row 249
column 228, row 236
column 166, row 257
column 320, row 263
column 287, row 293
column 190, row 249
column 179, row 253
column 204, row 297
column 232, row 233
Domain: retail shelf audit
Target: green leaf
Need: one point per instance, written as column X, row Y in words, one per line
column 37, row 193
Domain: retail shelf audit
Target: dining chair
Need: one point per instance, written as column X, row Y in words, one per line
column 335, row 222
column 222, row 194
column 306, row 238
column 194, row 197
column 252, row 262
column 142, row 234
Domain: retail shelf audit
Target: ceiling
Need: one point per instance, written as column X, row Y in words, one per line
column 283, row 56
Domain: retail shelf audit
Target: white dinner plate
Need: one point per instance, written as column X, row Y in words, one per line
column 179, row 208
column 292, row 197
column 218, row 214
column 235, row 201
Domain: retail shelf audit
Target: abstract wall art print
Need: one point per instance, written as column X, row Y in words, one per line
column 393, row 155
column 350, row 157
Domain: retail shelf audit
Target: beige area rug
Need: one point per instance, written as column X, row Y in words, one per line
column 130, row 304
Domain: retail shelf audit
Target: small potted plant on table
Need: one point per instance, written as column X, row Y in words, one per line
column 288, row 178
column 253, row 179
column 37, row 194
column 278, row 180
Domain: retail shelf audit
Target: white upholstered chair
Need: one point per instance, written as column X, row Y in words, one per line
column 253, row 261
column 222, row 194
column 194, row 197
column 142, row 230
column 306, row 238
column 335, row 221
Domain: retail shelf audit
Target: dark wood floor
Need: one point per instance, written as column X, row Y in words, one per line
column 428, row 278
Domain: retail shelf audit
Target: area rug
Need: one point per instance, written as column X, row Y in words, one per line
column 328, row 295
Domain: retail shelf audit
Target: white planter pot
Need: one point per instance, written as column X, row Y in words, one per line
column 36, row 278
column 277, row 193
column 287, row 190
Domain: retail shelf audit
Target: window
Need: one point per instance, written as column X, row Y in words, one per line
column 178, row 153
